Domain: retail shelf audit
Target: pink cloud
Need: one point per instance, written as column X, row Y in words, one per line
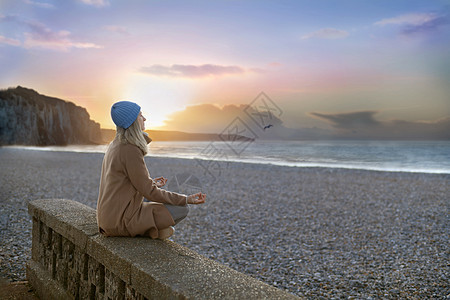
column 193, row 71
column 275, row 64
column 8, row 41
column 43, row 37
column 38, row 35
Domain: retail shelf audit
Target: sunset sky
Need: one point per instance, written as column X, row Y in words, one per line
column 325, row 64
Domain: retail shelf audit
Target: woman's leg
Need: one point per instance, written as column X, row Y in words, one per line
column 178, row 212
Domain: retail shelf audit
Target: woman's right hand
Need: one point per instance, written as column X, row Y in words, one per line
column 198, row 198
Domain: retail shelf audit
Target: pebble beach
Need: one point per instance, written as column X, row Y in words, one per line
column 315, row 232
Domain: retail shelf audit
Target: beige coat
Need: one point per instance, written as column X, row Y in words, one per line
column 124, row 182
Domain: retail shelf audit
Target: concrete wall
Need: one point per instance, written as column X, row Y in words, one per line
column 71, row 260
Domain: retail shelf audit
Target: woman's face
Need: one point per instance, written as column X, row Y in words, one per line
column 142, row 120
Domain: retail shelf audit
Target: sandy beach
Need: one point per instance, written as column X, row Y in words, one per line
column 311, row 231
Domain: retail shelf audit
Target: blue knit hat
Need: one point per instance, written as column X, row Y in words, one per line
column 124, row 113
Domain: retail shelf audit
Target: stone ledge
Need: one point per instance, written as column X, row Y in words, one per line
column 45, row 286
column 122, row 267
column 75, row 221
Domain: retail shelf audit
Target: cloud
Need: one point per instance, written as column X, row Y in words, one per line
column 326, row 33
column 8, row 41
column 40, row 4
column 363, row 125
column 430, row 26
column 38, row 35
column 192, row 71
column 415, row 19
column 275, row 64
column 43, row 37
column 9, row 18
column 98, row 3
column 209, row 118
column 350, row 119
column 203, row 118
column 117, row 29
column 417, row 22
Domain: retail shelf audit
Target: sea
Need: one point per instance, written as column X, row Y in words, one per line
column 391, row 156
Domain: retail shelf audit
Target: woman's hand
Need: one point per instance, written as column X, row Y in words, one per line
column 160, row 181
column 198, row 198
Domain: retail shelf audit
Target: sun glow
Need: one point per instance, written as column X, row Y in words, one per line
column 158, row 97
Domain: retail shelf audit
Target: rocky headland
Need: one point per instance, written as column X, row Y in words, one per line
column 29, row 118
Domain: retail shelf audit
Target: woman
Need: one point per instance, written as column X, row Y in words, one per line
column 125, row 181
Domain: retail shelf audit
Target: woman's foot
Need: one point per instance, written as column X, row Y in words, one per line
column 166, row 233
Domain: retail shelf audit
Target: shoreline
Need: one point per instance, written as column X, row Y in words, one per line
column 315, row 232
column 85, row 149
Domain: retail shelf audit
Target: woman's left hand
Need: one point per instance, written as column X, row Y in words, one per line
column 160, row 181
column 198, row 198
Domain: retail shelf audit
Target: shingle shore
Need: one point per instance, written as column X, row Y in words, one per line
column 312, row 231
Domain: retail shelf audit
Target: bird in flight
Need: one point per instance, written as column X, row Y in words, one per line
column 267, row 126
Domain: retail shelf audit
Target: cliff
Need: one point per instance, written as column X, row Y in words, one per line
column 29, row 118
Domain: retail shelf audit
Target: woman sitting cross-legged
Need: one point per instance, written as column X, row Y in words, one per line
column 125, row 181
